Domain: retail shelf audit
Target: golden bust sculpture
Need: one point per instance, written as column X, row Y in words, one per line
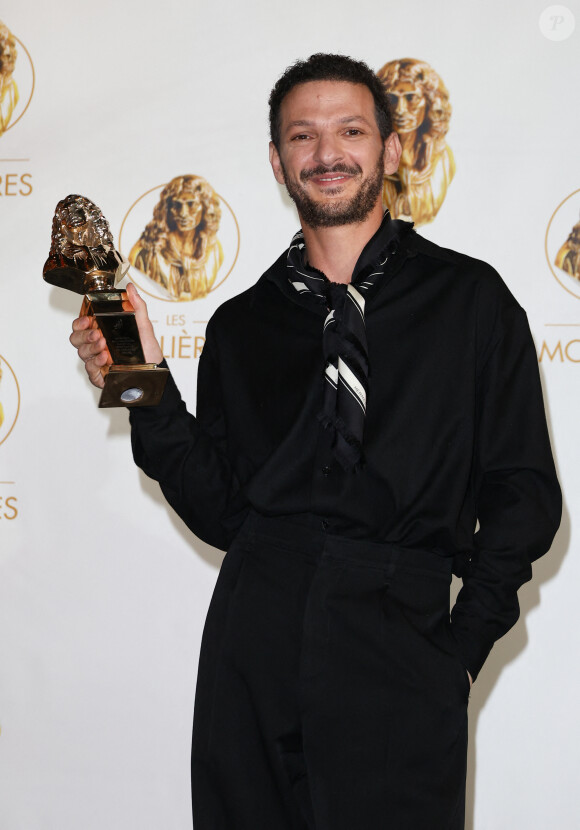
column 179, row 248
column 421, row 113
column 82, row 253
column 568, row 257
column 8, row 88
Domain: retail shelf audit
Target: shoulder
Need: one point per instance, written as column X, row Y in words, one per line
column 464, row 266
column 472, row 292
column 472, row 273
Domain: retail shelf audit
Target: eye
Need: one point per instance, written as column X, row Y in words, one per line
column 299, row 137
column 353, row 131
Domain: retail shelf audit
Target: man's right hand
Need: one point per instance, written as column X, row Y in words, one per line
column 92, row 347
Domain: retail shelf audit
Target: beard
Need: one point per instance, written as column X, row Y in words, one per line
column 342, row 211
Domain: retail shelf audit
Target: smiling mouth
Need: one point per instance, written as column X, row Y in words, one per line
column 331, row 184
column 321, row 175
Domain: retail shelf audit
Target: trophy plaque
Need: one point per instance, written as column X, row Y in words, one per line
column 83, row 259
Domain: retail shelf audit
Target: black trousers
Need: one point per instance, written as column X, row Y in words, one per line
column 330, row 694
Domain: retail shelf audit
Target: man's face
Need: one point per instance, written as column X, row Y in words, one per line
column 408, row 105
column 332, row 158
column 185, row 211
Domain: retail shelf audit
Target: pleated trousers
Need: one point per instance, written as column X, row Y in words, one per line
column 330, row 693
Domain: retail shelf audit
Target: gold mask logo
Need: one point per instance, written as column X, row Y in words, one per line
column 562, row 243
column 421, row 113
column 183, row 238
column 16, row 79
column 9, row 399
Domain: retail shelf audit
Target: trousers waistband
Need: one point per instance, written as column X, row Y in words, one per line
column 306, row 537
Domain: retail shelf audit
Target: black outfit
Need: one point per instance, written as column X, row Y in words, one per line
column 332, row 687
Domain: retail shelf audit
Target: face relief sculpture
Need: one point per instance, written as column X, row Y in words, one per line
column 179, row 249
column 421, row 114
column 568, row 257
column 8, row 89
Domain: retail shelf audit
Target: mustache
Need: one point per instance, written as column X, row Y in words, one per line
column 322, row 170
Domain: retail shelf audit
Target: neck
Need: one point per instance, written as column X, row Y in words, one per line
column 335, row 251
column 182, row 237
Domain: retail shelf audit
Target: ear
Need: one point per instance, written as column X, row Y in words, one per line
column 393, row 152
column 276, row 164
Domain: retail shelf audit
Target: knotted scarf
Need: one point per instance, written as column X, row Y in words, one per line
column 344, row 339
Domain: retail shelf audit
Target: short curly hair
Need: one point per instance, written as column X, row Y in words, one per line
column 327, row 67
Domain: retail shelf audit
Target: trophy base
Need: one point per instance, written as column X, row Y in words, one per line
column 133, row 385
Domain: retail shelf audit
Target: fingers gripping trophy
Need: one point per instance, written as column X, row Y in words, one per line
column 83, row 259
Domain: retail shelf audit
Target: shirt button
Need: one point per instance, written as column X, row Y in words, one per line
column 326, row 471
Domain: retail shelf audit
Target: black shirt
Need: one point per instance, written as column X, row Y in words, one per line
column 455, row 429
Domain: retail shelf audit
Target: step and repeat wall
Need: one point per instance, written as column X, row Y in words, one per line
column 140, row 107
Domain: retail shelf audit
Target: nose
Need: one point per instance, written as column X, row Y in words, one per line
column 328, row 149
column 401, row 105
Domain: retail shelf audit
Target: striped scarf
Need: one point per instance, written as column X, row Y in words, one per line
column 344, row 339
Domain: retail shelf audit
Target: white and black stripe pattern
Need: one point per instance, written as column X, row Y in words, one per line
column 346, row 372
column 304, row 281
column 345, row 350
column 344, row 334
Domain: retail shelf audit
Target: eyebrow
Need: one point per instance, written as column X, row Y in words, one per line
column 348, row 119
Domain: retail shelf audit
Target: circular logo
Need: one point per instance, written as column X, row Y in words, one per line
column 17, row 79
column 182, row 238
column 9, row 399
column 562, row 243
column 557, row 22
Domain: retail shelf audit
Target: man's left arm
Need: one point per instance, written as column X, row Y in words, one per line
column 517, row 492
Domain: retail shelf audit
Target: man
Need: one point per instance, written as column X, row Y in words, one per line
column 388, row 401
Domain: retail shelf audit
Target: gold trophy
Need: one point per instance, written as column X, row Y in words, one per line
column 83, row 259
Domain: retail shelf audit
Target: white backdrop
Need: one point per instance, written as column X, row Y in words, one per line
column 103, row 591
